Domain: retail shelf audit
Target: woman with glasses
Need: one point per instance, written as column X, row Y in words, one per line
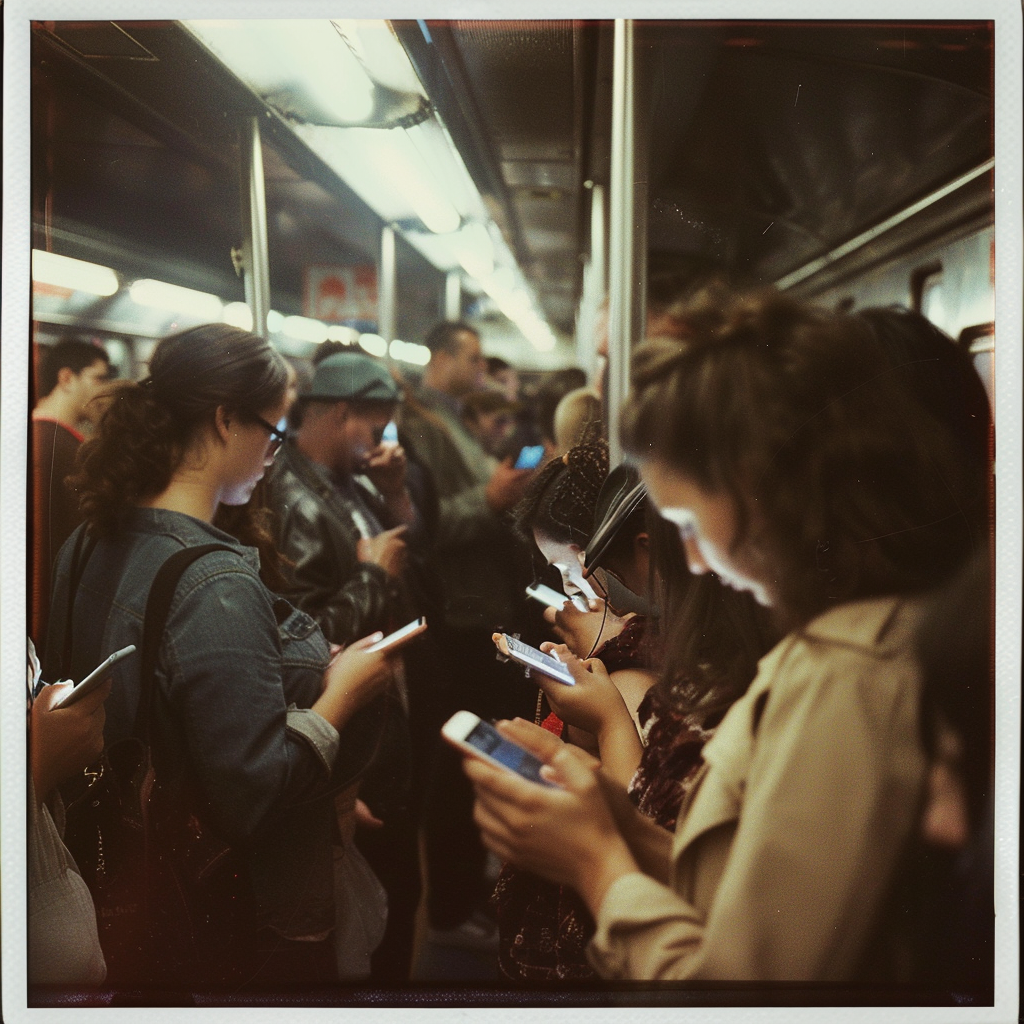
column 249, row 699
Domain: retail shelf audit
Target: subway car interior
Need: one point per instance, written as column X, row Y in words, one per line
column 354, row 183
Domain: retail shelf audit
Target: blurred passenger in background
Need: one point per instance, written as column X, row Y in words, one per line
column 551, row 389
column 576, row 416
column 485, row 571
column 72, row 373
column 949, row 877
column 504, row 377
column 491, row 418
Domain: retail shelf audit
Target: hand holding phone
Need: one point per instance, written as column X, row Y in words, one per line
column 469, row 734
column 400, row 637
column 532, row 658
column 93, row 679
column 563, row 831
column 529, row 456
column 546, row 595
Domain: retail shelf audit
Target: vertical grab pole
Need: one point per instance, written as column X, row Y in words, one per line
column 627, row 218
column 386, row 286
column 595, row 285
column 453, row 296
column 255, row 256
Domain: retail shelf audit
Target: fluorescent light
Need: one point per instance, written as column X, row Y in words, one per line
column 420, row 185
column 409, row 352
column 302, row 68
column 79, row 276
column 374, row 344
column 305, row 329
column 175, row 299
column 239, row 315
column 377, row 48
column 346, row 335
column 475, row 250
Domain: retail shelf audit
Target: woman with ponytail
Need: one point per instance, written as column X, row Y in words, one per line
column 249, row 701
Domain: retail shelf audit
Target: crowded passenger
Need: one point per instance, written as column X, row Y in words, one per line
column 704, row 640
column 253, row 716
column 348, row 556
column 766, row 438
column 491, row 418
column 71, row 376
column 484, row 572
column 63, row 942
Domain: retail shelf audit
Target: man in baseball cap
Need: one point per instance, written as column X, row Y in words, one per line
column 344, row 540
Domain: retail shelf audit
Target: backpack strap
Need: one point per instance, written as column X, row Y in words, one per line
column 158, row 606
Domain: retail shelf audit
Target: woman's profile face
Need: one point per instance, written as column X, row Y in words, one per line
column 252, row 455
column 568, row 560
column 707, row 525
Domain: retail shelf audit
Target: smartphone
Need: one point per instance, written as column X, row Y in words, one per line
column 390, row 433
column 532, row 658
column 546, row 595
column 93, row 679
column 400, row 636
column 529, row 456
column 466, row 732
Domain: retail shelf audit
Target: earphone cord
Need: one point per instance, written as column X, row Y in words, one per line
column 604, row 618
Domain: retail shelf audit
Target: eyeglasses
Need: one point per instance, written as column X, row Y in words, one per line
column 278, row 436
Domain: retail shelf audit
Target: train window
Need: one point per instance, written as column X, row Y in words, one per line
column 980, row 341
column 926, row 292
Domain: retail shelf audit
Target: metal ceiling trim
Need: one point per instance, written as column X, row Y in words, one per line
column 866, row 237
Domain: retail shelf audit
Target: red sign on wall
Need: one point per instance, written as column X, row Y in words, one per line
column 340, row 294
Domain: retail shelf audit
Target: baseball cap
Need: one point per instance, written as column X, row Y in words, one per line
column 353, row 376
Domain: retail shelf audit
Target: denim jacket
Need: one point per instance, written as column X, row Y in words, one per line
column 237, row 672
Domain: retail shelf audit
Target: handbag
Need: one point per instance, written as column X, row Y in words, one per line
column 173, row 901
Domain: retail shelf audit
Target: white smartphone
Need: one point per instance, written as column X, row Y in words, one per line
column 532, row 658
column 93, row 679
column 546, row 595
column 468, row 733
column 400, row 636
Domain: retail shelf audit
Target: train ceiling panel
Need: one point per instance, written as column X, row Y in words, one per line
column 795, row 138
column 143, row 154
column 525, row 84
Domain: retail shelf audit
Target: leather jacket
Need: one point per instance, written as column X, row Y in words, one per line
column 318, row 531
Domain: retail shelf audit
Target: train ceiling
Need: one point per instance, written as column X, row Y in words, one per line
column 771, row 144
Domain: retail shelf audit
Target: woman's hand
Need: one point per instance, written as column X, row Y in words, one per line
column 593, row 703
column 583, row 632
column 63, row 741
column 354, row 677
column 564, row 833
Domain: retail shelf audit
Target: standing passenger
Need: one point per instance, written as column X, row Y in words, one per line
column 348, row 556
column 249, row 703
column 484, row 574
column 795, row 469
column 71, row 374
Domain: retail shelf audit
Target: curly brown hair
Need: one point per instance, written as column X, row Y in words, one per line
column 147, row 426
column 794, row 412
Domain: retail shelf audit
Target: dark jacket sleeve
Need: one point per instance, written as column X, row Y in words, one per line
column 348, row 598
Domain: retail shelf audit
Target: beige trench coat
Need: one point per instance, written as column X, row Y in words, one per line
column 810, row 788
